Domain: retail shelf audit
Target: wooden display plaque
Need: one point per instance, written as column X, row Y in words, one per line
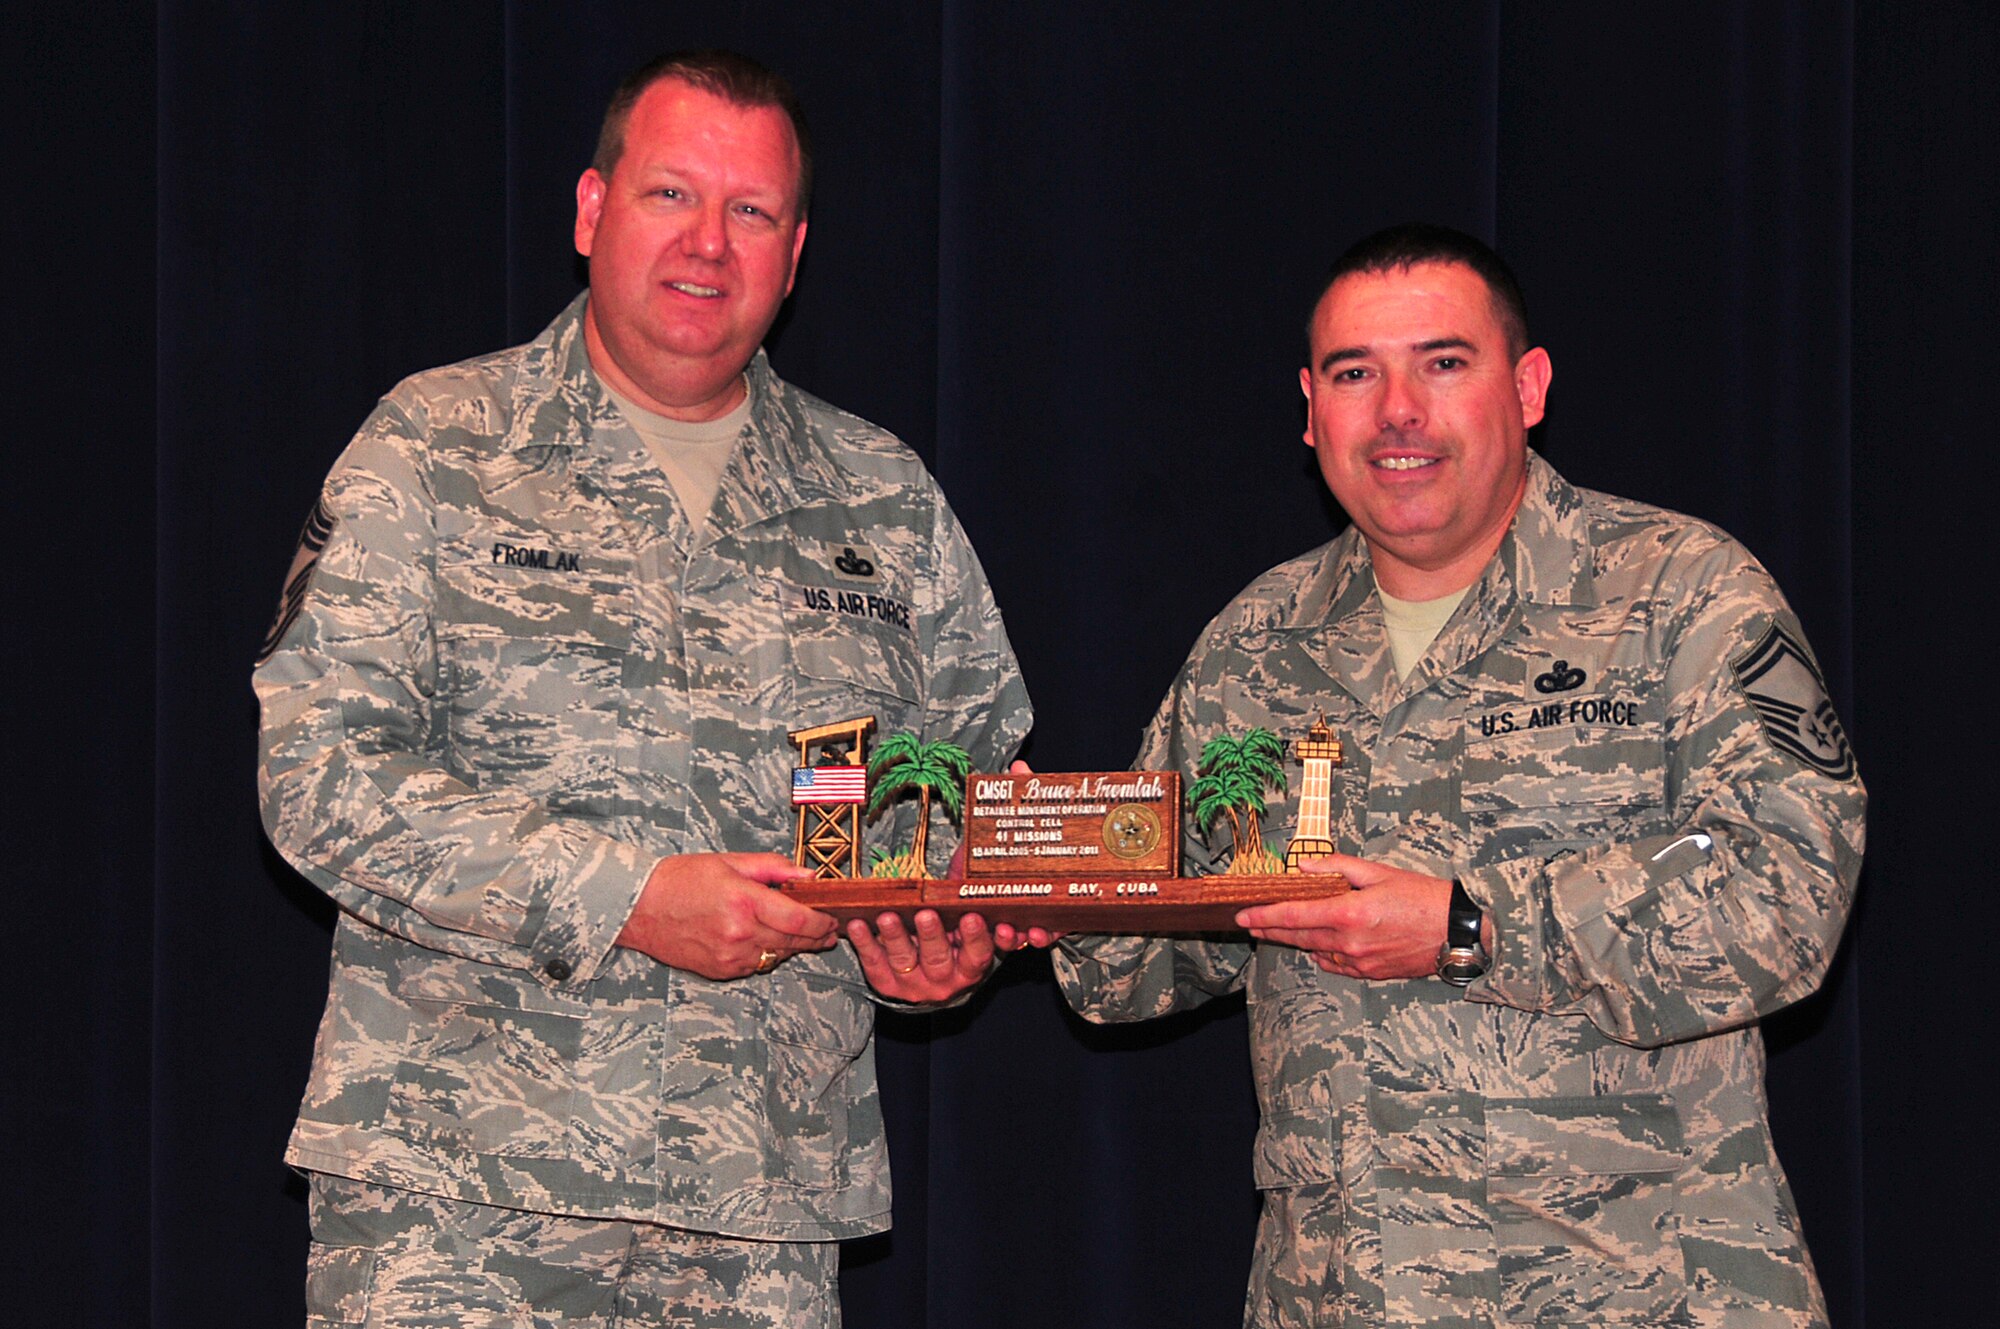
column 1064, row 903
column 1090, row 851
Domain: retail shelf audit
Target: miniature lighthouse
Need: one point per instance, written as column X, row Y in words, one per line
column 1319, row 751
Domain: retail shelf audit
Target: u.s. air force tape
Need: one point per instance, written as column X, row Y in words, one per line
column 1790, row 698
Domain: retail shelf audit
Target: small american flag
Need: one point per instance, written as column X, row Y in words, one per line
column 829, row 784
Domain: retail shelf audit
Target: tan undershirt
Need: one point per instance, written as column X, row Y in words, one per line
column 692, row 454
column 1414, row 624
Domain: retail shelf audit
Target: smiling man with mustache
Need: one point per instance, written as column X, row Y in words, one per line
column 1599, row 816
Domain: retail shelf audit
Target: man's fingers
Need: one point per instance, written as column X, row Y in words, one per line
column 1013, row 940
column 974, row 951
column 899, row 945
column 1305, row 939
column 1358, row 871
column 812, row 929
column 1321, row 913
column 887, row 954
column 921, row 961
column 766, row 868
column 934, row 949
column 867, row 947
column 772, row 907
column 792, row 920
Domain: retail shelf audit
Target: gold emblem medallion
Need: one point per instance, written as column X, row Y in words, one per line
column 1131, row 830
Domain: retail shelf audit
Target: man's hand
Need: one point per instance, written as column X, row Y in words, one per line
column 1389, row 926
column 929, row 965
column 1012, row 940
column 713, row 915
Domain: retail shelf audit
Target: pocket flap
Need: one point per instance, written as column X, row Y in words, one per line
column 812, row 1009
column 477, row 599
column 1564, row 768
column 1567, row 1136
column 461, row 982
column 1295, row 1149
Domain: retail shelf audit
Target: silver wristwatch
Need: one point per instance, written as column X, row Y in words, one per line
column 1463, row 956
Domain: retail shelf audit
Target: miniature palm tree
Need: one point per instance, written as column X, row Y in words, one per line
column 903, row 763
column 1234, row 775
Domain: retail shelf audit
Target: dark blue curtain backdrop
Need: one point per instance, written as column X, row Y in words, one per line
column 1065, row 249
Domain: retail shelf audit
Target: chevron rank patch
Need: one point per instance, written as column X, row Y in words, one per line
column 1789, row 695
column 318, row 527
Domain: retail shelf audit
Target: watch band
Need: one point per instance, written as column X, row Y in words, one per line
column 1462, row 958
column 1461, row 929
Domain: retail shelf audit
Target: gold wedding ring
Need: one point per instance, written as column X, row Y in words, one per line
column 767, row 961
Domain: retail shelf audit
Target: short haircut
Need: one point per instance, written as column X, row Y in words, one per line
column 732, row 77
column 1400, row 248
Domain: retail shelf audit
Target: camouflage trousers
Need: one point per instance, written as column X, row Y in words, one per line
column 395, row 1259
column 1294, row 1276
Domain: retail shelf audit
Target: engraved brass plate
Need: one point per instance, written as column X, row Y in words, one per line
column 1073, row 824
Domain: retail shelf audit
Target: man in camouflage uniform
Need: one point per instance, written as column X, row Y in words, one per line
column 525, row 720
column 1613, row 773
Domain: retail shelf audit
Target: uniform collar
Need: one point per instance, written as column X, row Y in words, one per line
column 560, row 407
column 1547, row 549
column 1543, row 559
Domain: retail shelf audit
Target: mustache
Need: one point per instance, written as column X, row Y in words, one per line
column 1403, row 440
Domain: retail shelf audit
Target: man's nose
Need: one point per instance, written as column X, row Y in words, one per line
column 707, row 234
column 1401, row 404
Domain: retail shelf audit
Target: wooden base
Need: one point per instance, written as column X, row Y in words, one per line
column 1137, row 905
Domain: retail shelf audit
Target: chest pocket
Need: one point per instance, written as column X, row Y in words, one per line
column 1565, row 785
column 532, row 666
column 847, row 664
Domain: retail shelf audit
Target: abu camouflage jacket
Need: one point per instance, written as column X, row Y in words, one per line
column 510, row 675
column 1622, row 747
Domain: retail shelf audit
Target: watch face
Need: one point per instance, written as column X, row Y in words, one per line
column 1461, row 964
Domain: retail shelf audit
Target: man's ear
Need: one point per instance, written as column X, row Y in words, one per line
column 1531, row 381
column 590, row 187
column 798, row 247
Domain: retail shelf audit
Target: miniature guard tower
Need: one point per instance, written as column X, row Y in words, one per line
column 829, row 785
column 1319, row 751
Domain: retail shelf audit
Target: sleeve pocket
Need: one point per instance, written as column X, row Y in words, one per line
column 337, row 1284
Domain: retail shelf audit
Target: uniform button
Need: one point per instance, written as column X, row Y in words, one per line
column 558, row 970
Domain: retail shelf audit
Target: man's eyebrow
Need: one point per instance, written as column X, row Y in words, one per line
column 1344, row 353
column 655, row 172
